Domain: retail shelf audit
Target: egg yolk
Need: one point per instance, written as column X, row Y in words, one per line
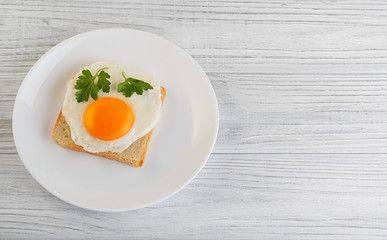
column 108, row 118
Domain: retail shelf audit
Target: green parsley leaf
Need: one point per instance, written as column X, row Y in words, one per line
column 132, row 85
column 86, row 85
column 103, row 82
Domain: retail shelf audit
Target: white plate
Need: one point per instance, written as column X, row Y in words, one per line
column 182, row 141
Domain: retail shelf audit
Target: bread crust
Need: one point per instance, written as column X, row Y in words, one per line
column 134, row 155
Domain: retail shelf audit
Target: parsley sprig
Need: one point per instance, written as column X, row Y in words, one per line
column 87, row 87
column 132, row 85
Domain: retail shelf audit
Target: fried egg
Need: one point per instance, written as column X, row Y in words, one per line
column 112, row 122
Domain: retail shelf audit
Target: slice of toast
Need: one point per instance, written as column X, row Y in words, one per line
column 133, row 155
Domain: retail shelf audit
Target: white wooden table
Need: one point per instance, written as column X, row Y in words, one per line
column 302, row 145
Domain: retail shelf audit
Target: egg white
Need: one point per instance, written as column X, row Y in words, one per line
column 146, row 108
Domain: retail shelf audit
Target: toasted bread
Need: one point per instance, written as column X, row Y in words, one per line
column 134, row 155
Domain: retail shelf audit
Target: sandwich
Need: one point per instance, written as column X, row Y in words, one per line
column 110, row 110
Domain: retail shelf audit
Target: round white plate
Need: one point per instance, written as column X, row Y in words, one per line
column 181, row 143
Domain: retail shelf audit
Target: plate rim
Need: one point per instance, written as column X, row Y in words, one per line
column 120, row 209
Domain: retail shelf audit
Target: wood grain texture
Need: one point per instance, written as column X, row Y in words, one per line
column 297, row 196
column 302, row 145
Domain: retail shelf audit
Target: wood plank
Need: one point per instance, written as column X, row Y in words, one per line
column 298, row 196
column 301, row 113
